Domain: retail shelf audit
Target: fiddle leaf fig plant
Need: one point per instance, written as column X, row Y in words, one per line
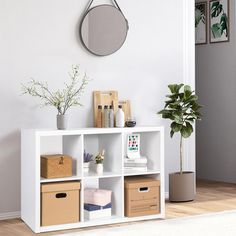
column 182, row 109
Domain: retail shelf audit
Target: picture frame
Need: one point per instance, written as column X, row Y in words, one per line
column 201, row 22
column 219, row 21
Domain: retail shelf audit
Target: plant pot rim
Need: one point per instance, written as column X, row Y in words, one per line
column 184, row 173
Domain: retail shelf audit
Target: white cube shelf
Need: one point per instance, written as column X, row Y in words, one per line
column 35, row 143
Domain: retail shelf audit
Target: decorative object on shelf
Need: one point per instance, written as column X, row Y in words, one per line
column 182, row 109
column 126, row 107
column 137, row 164
column 142, row 196
column 103, row 29
column 120, row 117
column 133, row 146
column 99, row 159
column 200, row 23
column 102, row 98
column 133, row 160
column 99, row 117
column 106, row 117
column 56, row 166
column 62, row 100
column 97, row 203
column 111, row 117
column 219, row 21
column 62, row 122
column 130, row 123
column 60, row 203
column 88, row 158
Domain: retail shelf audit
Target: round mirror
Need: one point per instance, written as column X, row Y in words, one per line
column 103, row 30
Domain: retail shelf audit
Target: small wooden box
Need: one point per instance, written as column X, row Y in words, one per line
column 142, row 196
column 60, row 203
column 56, row 166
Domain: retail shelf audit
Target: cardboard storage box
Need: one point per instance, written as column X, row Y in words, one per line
column 142, row 196
column 56, row 166
column 60, row 203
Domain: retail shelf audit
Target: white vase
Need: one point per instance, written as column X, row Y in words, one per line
column 99, row 168
column 86, row 166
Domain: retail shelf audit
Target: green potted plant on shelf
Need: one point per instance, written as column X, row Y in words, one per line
column 182, row 109
column 63, row 99
column 99, row 159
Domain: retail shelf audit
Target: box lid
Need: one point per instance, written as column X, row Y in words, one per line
column 137, row 182
column 48, row 157
column 60, row 186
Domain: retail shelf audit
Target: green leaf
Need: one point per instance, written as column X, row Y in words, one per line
column 187, row 88
column 224, row 24
column 216, row 30
column 176, row 127
column 171, row 133
column 166, row 114
column 189, row 127
column 186, row 130
column 174, row 88
column 216, row 9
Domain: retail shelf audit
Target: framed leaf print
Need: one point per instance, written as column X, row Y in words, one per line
column 201, row 23
column 219, row 21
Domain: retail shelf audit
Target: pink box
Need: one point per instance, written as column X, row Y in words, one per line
column 95, row 196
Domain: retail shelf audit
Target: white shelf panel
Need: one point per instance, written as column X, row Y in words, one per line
column 71, row 178
column 148, row 172
column 103, row 221
column 147, row 217
column 105, row 174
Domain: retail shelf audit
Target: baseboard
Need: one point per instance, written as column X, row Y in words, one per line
column 9, row 215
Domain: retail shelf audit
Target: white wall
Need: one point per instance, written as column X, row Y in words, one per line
column 216, row 87
column 39, row 39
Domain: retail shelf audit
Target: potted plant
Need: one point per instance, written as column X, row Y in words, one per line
column 63, row 99
column 182, row 109
column 87, row 159
column 99, row 162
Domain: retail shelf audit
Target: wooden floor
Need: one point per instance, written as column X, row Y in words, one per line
column 211, row 197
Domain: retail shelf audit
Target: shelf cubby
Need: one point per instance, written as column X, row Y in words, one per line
column 115, row 184
column 67, row 145
column 112, row 145
column 150, row 147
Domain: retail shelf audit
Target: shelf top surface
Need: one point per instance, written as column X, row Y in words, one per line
column 45, row 132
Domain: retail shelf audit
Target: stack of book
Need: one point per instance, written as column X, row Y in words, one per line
column 135, row 164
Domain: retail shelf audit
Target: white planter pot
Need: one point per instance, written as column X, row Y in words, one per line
column 86, row 166
column 99, row 168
